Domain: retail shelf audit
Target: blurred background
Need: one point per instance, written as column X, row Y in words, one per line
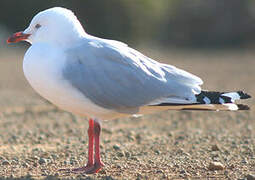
column 176, row 23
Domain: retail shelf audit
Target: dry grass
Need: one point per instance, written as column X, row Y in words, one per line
column 36, row 138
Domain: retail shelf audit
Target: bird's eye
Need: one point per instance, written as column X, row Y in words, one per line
column 37, row 26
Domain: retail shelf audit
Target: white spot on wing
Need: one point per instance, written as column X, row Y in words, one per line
column 233, row 95
column 231, row 107
column 207, row 100
column 221, row 101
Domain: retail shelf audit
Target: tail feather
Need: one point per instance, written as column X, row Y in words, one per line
column 213, row 97
column 243, row 107
column 212, row 101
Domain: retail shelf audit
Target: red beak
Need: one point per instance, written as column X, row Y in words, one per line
column 16, row 37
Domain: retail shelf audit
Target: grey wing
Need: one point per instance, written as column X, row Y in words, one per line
column 117, row 77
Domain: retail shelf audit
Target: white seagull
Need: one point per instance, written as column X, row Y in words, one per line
column 105, row 79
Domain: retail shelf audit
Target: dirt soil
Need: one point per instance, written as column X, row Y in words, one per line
column 37, row 139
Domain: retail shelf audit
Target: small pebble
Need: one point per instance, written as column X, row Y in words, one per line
column 13, row 162
column 183, row 171
column 215, row 148
column 180, row 138
column 180, row 151
column 115, row 158
column 170, row 134
column 134, row 158
column 116, row 147
column 244, row 161
column 131, row 137
column 159, row 171
column 36, row 157
column 25, row 165
column 157, row 152
column 42, row 161
column 215, row 166
column 120, row 154
column 139, row 176
column 127, row 154
column 5, row 162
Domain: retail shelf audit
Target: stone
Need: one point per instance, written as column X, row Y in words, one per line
column 5, row 162
column 215, row 166
column 116, row 147
column 42, row 161
column 215, row 148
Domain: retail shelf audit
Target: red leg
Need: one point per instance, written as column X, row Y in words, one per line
column 97, row 129
column 91, row 142
column 97, row 161
column 93, row 165
column 90, row 163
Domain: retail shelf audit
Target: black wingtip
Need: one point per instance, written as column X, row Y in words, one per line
column 243, row 107
column 243, row 95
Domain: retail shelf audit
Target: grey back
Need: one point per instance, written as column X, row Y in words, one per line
column 117, row 77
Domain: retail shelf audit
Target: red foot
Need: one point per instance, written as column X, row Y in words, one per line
column 88, row 169
column 82, row 169
column 93, row 165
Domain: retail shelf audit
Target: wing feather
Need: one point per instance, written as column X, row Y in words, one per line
column 115, row 76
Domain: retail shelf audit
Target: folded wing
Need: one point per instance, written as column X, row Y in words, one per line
column 115, row 76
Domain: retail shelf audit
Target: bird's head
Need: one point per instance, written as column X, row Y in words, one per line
column 58, row 26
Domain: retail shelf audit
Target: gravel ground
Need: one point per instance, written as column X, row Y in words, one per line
column 37, row 139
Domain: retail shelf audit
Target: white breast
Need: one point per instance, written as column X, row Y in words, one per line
column 42, row 67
